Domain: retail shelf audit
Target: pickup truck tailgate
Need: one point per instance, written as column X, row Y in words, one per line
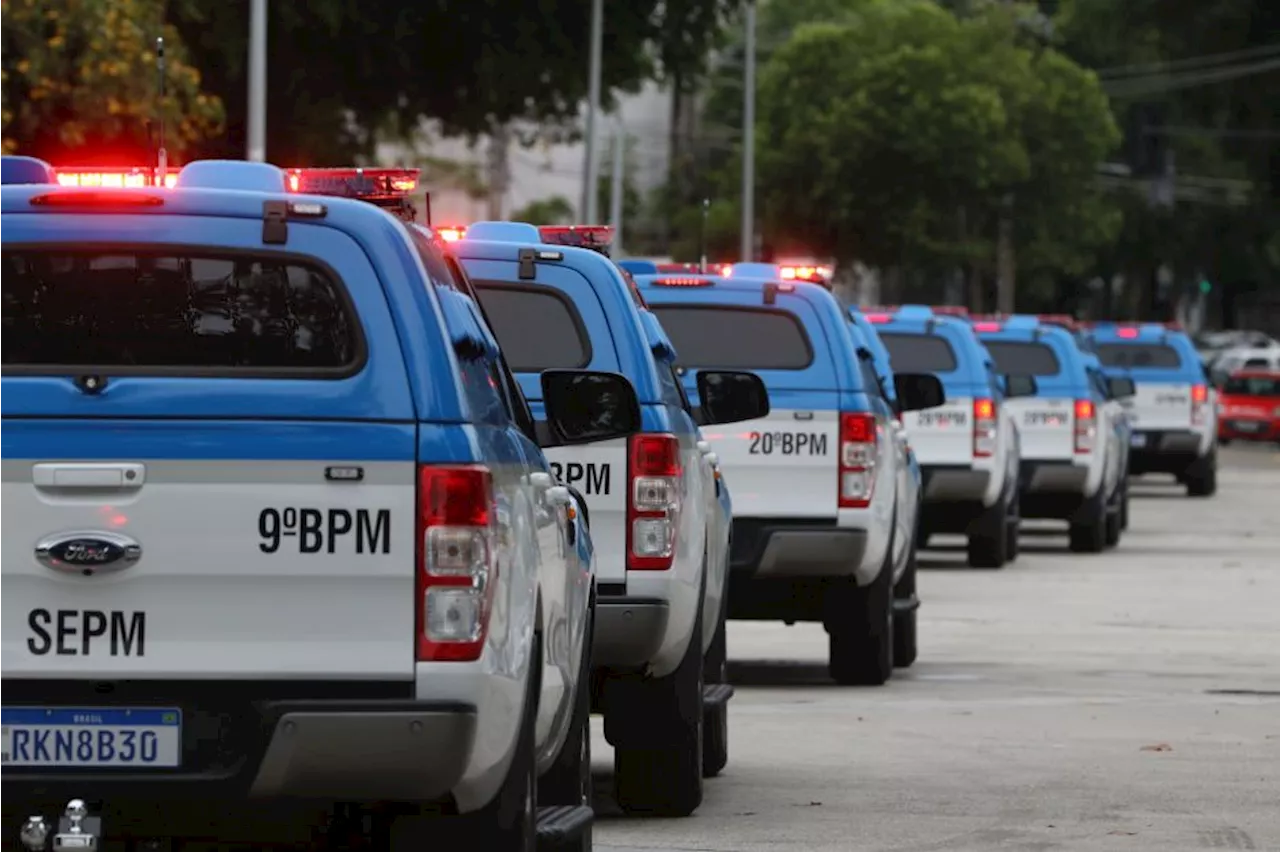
column 942, row 435
column 1046, row 427
column 1161, row 406
column 781, row 466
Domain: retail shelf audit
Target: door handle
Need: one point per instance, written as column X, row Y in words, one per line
column 541, row 479
column 704, row 447
column 99, row 475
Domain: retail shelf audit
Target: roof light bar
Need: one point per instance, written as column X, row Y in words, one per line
column 950, row 310
column 878, row 318
column 683, row 282
column 354, row 182
column 595, row 237
column 116, row 177
column 1128, row 332
column 986, row 325
column 451, row 233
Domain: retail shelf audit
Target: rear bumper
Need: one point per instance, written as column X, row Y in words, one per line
column 629, row 631
column 1052, row 489
column 1238, row 429
column 780, row 568
column 352, row 749
column 1166, row 451
column 954, row 484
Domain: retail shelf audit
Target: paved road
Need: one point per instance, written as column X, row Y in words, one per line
column 1129, row 701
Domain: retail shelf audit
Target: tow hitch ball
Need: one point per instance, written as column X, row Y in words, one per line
column 76, row 830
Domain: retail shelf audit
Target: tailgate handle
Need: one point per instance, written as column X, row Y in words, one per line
column 88, row 475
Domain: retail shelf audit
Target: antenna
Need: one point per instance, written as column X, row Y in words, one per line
column 162, row 156
column 702, row 237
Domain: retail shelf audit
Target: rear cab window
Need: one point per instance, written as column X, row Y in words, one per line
column 917, row 352
column 1025, row 358
column 1139, row 355
column 539, row 328
column 183, row 313
column 736, row 338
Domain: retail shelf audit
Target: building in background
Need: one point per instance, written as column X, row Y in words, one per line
column 496, row 175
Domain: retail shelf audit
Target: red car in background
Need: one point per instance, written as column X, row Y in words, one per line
column 1249, row 407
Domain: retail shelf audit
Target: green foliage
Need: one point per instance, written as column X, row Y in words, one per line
column 881, row 132
column 80, row 81
column 556, row 210
column 339, row 67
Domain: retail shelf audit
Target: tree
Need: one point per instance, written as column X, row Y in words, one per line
column 556, row 210
column 80, row 81
column 338, row 68
column 893, row 135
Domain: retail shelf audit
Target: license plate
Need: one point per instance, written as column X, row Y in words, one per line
column 1247, row 426
column 943, row 418
column 91, row 736
column 1137, row 439
column 1045, row 418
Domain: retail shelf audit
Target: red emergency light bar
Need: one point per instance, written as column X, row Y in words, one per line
column 986, row 325
column 1061, row 320
column 683, row 282
column 595, row 237
column 354, row 182
column 123, row 177
column 950, row 310
column 878, row 318
column 816, row 274
column 451, row 233
column 1128, row 332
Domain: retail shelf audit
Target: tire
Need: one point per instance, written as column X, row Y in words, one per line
column 715, row 719
column 568, row 781
column 1012, row 530
column 1201, row 477
column 905, row 624
column 1113, row 525
column 1088, row 530
column 989, row 537
column 859, row 627
column 665, row 779
column 506, row 824
column 1124, row 507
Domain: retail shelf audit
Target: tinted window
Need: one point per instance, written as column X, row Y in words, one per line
column 1156, row 355
column 1023, row 359
column 919, row 353
column 736, row 338
column 146, row 312
column 537, row 328
column 1252, row 386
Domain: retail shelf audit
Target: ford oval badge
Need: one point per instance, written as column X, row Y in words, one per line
column 88, row 553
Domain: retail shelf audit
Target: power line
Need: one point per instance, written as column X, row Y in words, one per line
column 1189, row 63
column 1159, row 83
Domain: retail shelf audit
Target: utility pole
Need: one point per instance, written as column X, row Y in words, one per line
column 498, row 176
column 746, row 251
column 617, row 188
column 590, row 181
column 257, row 118
column 1005, row 262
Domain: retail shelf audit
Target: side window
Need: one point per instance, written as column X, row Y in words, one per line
column 1099, row 384
column 870, row 380
column 993, row 381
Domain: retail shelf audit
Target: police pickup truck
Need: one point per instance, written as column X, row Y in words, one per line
column 279, row 529
column 1073, row 464
column 1173, row 410
column 968, row 448
column 818, row 535
column 661, row 570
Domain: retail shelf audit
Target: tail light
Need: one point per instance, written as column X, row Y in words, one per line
column 1199, row 404
column 858, row 445
column 457, row 561
column 984, row 427
column 1086, row 425
column 653, row 501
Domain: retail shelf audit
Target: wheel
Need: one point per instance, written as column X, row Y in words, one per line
column 1113, row 525
column 663, row 776
column 1124, row 507
column 989, row 537
column 1012, row 529
column 506, row 824
column 1201, row 477
column 1088, row 530
column 568, row 781
column 859, row 624
column 905, row 638
column 715, row 719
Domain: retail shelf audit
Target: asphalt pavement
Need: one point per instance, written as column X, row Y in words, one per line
column 1124, row 701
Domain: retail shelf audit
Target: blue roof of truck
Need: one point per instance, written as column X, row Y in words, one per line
column 972, row 358
column 1071, row 374
column 350, row 238
column 1107, row 336
column 626, row 336
column 811, row 304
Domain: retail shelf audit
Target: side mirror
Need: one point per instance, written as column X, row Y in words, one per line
column 731, row 396
column 918, row 391
column 1019, row 385
column 585, row 406
column 1121, row 387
